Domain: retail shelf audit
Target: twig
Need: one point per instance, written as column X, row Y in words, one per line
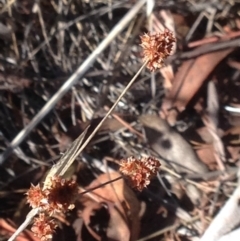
column 73, row 116
column 213, row 39
column 194, row 26
column 44, row 32
column 101, row 185
column 208, row 48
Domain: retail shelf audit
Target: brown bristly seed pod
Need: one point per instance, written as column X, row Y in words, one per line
column 58, row 196
column 35, row 196
column 139, row 171
column 61, row 195
column 156, row 48
column 43, row 227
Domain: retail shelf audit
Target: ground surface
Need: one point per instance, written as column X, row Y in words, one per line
column 44, row 42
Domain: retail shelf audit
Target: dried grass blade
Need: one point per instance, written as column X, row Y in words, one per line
column 67, row 158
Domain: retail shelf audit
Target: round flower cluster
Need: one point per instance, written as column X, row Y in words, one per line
column 43, row 227
column 58, row 196
column 139, row 171
column 156, row 48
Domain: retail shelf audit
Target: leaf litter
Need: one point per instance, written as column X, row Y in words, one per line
column 49, row 40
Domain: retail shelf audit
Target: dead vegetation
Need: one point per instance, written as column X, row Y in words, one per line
column 62, row 67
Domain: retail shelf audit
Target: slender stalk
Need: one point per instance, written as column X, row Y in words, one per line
column 101, row 185
column 112, row 108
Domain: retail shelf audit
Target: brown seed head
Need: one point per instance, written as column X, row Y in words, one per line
column 61, row 195
column 43, row 227
column 35, row 196
column 156, row 48
column 139, row 171
column 58, row 196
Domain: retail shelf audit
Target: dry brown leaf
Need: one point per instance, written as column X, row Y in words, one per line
column 181, row 25
column 190, row 78
column 118, row 228
column 126, row 206
column 204, row 134
column 168, row 19
column 171, row 146
column 77, row 226
column 90, row 208
column 168, row 75
column 206, row 155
